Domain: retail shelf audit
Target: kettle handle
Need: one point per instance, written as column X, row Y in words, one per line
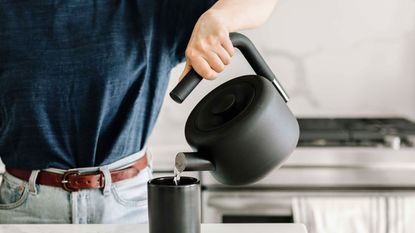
column 251, row 54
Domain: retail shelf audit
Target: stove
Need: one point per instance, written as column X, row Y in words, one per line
column 335, row 157
column 356, row 132
column 348, row 151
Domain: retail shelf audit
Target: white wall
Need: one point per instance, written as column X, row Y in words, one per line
column 334, row 57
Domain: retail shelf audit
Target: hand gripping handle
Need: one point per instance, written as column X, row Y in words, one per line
column 192, row 79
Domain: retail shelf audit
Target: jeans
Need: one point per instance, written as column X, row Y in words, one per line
column 121, row 202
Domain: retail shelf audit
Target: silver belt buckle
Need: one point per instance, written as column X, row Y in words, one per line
column 66, row 184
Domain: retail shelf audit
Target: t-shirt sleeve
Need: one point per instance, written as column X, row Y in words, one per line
column 178, row 21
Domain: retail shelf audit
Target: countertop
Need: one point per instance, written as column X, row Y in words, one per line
column 143, row 228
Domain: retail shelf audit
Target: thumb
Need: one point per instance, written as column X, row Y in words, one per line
column 186, row 70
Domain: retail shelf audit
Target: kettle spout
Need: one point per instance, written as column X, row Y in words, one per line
column 192, row 161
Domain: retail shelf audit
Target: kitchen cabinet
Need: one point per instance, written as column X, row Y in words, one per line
column 143, row 228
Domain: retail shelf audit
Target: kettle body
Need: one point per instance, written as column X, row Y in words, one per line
column 243, row 128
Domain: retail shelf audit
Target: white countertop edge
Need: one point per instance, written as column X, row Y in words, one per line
column 143, row 228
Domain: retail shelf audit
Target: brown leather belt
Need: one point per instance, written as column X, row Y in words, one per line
column 73, row 180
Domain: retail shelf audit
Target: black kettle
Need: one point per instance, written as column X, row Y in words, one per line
column 242, row 129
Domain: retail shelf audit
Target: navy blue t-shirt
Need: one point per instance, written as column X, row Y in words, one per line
column 82, row 81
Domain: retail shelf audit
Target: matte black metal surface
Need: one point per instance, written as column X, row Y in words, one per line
column 248, row 140
column 185, row 86
column 174, row 208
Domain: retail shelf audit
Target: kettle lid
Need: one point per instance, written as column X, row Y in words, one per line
column 227, row 103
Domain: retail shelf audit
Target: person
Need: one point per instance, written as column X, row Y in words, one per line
column 82, row 83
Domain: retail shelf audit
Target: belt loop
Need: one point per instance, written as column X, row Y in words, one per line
column 32, row 182
column 149, row 159
column 74, row 206
column 107, row 180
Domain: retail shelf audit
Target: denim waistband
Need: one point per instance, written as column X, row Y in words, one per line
column 117, row 165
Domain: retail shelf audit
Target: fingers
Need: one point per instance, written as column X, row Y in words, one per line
column 214, row 61
column 203, row 68
column 208, row 55
column 186, row 70
column 227, row 44
column 224, row 56
column 207, row 63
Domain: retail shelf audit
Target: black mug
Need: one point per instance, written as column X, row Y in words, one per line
column 174, row 208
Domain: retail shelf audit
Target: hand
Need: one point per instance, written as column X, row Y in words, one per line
column 209, row 49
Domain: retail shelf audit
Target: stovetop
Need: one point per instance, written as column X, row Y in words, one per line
column 343, row 154
column 356, row 132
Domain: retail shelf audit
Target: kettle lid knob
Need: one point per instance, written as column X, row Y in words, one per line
column 224, row 105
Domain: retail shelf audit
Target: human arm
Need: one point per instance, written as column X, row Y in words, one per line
column 209, row 49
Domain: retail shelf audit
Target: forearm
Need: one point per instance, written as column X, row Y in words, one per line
column 243, row 14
